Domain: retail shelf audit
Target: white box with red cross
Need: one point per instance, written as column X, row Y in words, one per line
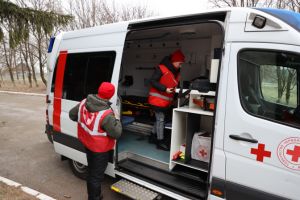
column 201, row 144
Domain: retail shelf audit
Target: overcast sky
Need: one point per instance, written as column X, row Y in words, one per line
column 169, row 7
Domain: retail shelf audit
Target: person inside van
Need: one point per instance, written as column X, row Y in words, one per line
column 163, row 84
column 98, row 128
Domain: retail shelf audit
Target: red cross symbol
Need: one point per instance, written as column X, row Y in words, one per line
column 294, row 153
column 260, row 152
column 202, row 152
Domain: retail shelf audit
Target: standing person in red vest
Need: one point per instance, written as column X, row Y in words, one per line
column 163, row 84
column 98, row 128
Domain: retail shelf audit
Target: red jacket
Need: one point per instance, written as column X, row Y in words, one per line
column 90, row 132
column 163, row 99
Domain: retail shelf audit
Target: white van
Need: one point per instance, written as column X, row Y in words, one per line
column 250, row 114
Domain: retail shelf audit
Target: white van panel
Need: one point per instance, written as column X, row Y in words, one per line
column 242, row 166
column 218, row 155
column 112, row 35
column 267, row 177
column 218, row 164
column 236, row 30
column 70, row 153
column 67, row 126
column 80, row 157
column 51, row 57
column 98, row 30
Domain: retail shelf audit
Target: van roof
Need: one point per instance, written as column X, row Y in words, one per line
column 289, row 17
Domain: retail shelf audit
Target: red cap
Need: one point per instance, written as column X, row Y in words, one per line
column 177, row 56
column 106, row 90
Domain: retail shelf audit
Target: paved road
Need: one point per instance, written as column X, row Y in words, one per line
column 27, row 157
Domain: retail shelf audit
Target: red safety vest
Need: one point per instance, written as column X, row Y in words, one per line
column 163, row 99
column 90, row 132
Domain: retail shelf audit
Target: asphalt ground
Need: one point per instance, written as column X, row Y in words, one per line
column 27, row 157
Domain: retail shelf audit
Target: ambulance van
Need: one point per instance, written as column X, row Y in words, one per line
column 233, row 130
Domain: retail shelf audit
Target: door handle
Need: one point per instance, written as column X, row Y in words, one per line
column 237, row 137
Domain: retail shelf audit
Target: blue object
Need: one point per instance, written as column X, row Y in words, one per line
column 289, row 17
column 131, row 142
column 127, row 120
column 51, row 43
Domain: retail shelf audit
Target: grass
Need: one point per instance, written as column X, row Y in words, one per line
column 270, row 94
column 13, row 193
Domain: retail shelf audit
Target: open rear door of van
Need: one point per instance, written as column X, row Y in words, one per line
column 85, row 58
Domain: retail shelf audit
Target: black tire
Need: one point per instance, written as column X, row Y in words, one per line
column 78, row 169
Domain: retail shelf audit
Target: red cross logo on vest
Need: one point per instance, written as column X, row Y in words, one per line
column 294, row 153
column 88, row 117
column 260, row 152
column 90, row 132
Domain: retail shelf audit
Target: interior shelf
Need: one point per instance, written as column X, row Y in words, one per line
column 194, row 110
column 210, row 93
column 186, row 123
column 195, row 164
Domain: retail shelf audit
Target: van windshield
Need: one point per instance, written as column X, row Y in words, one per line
column 289, row 17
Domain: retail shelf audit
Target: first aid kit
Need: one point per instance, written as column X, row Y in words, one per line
column 201, row 146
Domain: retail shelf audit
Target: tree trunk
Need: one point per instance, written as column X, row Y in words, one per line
column 15, row 63
column 25, row 56
column 30, row 54
column 41, row 59
column 1, row 78
column 280, row 84
column 289, row 87
column 22, row 67
column 8, row 63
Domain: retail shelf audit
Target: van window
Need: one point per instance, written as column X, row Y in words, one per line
column 269, row 85
column 54, row 77
column 85, row 71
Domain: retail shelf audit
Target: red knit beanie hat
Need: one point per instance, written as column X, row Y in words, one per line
column 106, row 90
column 177, row 56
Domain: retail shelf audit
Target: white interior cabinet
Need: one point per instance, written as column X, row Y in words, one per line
column 185, row 122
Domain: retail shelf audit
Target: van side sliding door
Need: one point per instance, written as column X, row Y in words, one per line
column 262, row 140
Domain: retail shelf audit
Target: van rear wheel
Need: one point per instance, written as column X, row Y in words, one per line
column 78, row 169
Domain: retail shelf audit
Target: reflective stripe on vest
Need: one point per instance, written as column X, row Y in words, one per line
column 95, row 131
column 160, row 96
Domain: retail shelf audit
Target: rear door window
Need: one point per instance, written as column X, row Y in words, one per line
column 85, row 71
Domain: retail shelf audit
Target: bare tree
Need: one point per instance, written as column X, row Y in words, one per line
column 290, row 4
column 38, row 37
column 89, row 13
column 24, row 52
column 8, row 60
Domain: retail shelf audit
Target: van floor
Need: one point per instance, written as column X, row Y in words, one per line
column 138, row 144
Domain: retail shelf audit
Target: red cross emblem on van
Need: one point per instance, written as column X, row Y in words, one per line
column 260, row 152
column 288, row 153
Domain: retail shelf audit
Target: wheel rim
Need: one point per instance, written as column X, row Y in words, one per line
column 79, row 167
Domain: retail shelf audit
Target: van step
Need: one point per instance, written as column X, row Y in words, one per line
column 195, row 189
column 133, row 190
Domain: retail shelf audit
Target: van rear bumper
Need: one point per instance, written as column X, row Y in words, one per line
column 48, row 129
